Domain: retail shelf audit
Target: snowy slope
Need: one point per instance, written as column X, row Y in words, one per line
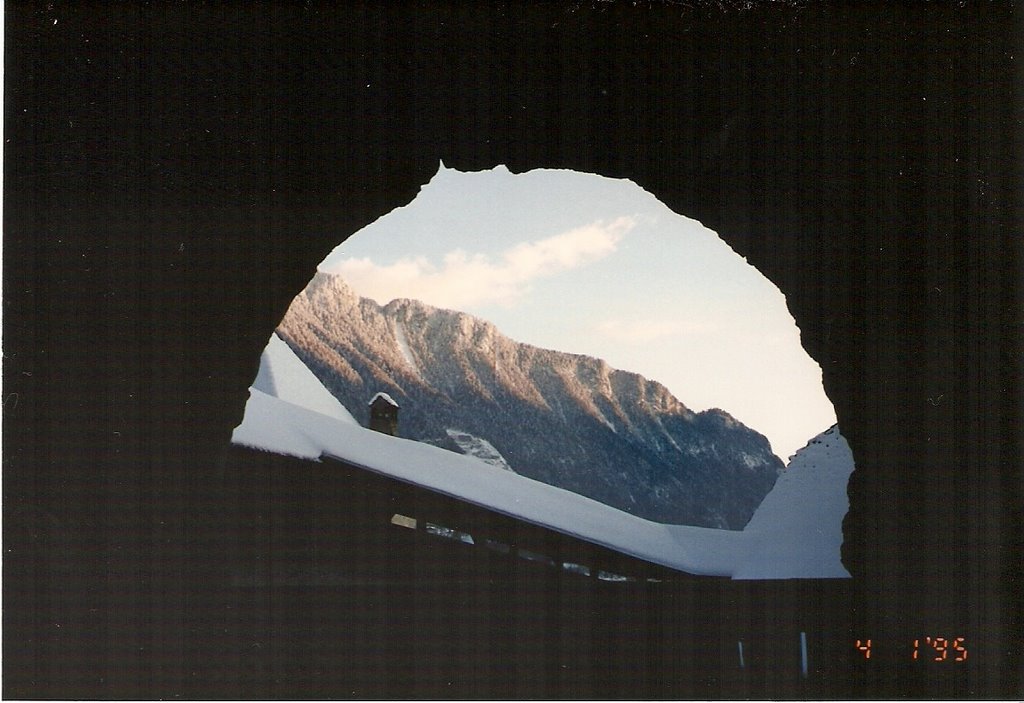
column 284, row 376
column 784, row 542
column 798, row 530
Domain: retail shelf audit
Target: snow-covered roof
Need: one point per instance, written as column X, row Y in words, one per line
column 796, row 532
column 798, row 528
column 284, row 376
column 281, row 427
column 385, row 397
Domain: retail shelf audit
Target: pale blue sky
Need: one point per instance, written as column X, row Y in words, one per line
column 593, row 265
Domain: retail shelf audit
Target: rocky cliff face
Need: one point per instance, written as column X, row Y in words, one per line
column 566, row 419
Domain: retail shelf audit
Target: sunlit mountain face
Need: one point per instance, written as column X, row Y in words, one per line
column 568, row 420
column 596, row 266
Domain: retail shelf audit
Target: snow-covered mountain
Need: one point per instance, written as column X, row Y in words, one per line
column 568, row 420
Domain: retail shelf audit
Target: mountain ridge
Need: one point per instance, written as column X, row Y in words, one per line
column 570, row 420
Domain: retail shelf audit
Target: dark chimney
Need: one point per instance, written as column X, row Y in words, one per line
column 384, row 414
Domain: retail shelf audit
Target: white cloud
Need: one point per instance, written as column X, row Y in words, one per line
column 464, row 279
